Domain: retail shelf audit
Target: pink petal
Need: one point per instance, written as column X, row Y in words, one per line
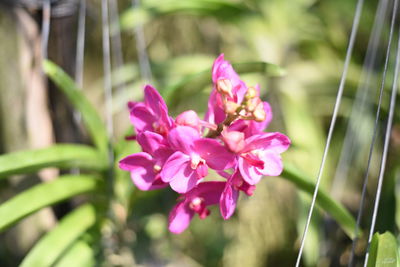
column 215, row 113
column 175, row 167
column 215, row 154
column 182, row 137
column 180, row 217
column 249, row 173
column 273, row 165
column 209, row 191
column 150, row 141
column 228, row 201
column 276, row 142
column 154, row 101
column 141, row 166
column 142, row 118
column 183, row 184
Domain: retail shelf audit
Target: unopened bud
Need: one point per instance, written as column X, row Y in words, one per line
column 253, row 103
column 259, row 113
column 231, row 107
column 224, row 86
column 188, row 118
column 251, row 93
column 234, row 140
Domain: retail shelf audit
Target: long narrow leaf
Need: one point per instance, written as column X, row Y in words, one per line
column 324, row 201
column 44, row 195
column 63, row 156
column 383, row 251
column 54, row 243
column 80, row 254
column 90, row 117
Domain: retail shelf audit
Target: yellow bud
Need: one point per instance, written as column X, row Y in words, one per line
column 259, row 113
column 251, row 93
column 231, row 107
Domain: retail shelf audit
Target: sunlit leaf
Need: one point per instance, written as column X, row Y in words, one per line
column 324, row 201
column 44, row 195
column 63, row 156
column 383, row 251
column 91, row 119
column 54, row 243
column 80, row 254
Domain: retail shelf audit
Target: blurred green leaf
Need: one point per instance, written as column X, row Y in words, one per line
column 55, row 242
column 91, row 118
column 190, row 84
column 43, row 195
column 63, row 156
column 383, row 251
column 149, row 9
column 324, row 201
column 80, row 254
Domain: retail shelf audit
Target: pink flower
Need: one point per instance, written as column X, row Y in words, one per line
column 145, row 167
column 194, row 155
column 152, row 115
column 195, row 201
column 230, row 194
column 261, row 156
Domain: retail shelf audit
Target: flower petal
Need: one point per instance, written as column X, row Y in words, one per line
column 149, row 141
column 249, row 173
column 215, row 154
column 154, row 101
column 183, row 184
column 273, row 165
column 180, row 217
column 275, row 142
column 182, row 137
column 175, row 167
column 141, row 166
column 142, row 118
column 228, row 201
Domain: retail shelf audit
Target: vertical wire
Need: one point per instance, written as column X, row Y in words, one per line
column 375, row 133
column 333, row 121
column 46, row 10
column 107, row 67
column 116, row 46
column 80, row 44
column 360, row 105
column 386, row 143
column 144, row 62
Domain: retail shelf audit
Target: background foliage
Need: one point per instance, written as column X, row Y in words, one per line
column 97, row 217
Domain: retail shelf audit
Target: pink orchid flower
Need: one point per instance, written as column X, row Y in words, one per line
column 145, row 167
column 261, row 156
column 235, row 183
column 152, row 115
column 195, row 201
column 194, row 155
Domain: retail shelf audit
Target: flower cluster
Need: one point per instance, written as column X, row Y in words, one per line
column 230, row 140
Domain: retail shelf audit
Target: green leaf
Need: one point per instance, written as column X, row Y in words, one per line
column 91, row 118
column 383, row 251
column 43, row 195
column 63, row 156
column 223, row 10
column 324, row 201
column 54, row 243
column 190, row 84
column 80, row 254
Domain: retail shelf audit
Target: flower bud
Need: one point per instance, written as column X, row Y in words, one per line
column 224, row 86
column 231, row 107
column 234, row 140
column 189, row 118
column 251, row 93
column 259, row 113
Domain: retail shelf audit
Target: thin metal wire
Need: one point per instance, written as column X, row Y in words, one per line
column 46, row 10
column 107, row 67
column 353, row 34
column 375, row 133
column 386, row 144
column 80, row 44
column 356, row 123
column 144, row 62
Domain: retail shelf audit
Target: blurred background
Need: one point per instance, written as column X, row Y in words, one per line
column 172, row 44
